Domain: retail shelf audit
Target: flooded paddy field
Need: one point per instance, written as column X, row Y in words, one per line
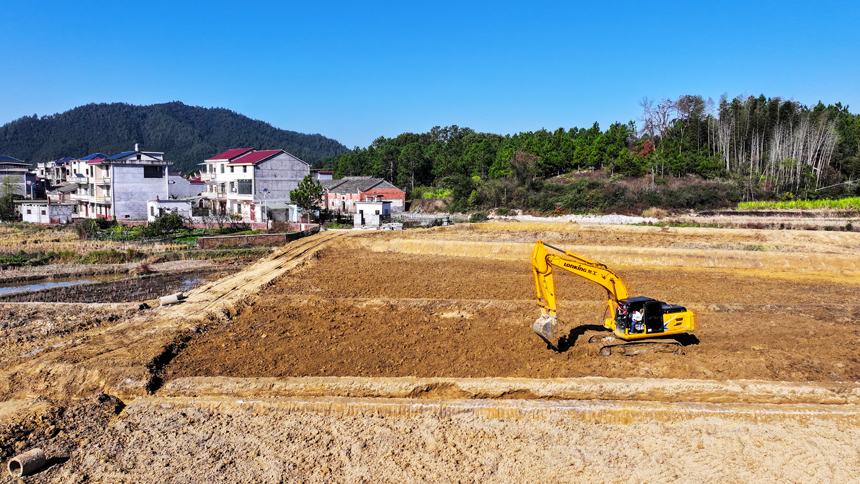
column 106, row 289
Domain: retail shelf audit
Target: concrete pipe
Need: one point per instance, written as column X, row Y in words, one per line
column 26, row 463
column 171, row 299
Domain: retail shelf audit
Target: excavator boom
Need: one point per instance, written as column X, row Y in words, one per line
column 657, row 317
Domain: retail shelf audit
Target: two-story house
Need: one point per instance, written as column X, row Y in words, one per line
column 244, row 181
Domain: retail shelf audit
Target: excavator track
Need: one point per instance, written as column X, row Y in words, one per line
column 612, row 346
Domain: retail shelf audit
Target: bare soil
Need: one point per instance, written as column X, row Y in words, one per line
column 275, row 373
column 355, row 312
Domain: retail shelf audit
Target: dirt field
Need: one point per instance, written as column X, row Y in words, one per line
column 407, row 357
column 358, row 312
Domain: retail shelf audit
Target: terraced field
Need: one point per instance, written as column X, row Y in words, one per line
column 408, row 356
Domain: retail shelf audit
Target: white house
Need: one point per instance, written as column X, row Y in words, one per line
column 371, row 213
column 44, row 212
column 244, row 181
column 157, row 208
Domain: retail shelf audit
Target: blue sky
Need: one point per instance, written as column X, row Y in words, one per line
column 354, row 71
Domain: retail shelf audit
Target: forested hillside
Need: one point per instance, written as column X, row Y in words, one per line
column 186, row 134
column 738, row 149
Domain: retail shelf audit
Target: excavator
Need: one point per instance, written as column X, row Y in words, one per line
column 637, row 323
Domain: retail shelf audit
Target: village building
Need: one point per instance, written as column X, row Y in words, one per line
column 118, row 187
column 180, row 187
column 54, row 173
column 317, row 174
column 342, row 195
column 22, row 181
column 45, row 212
column 247, row 182
column 371, row 214
column 176, row 206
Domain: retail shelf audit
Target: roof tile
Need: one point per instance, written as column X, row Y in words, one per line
column 230, row 154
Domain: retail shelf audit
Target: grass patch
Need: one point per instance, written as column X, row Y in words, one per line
column 852, row 203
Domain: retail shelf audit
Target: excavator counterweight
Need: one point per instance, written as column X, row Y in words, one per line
column 631, row 318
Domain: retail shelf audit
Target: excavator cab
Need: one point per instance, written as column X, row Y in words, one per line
column 652, row 316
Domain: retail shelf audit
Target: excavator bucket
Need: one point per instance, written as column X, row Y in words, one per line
column 545, row 327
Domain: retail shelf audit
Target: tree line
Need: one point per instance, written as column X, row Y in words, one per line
column 767, row 147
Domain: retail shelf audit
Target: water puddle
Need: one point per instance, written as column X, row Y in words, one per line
column 15, row 287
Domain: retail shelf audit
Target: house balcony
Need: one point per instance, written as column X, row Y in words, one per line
column 103, row 181
column 82, row 197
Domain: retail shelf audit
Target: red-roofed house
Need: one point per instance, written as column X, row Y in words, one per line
column 241, row 181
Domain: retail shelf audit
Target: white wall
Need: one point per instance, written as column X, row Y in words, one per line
column 157, row 208
column 179, row 187
column 42, row 213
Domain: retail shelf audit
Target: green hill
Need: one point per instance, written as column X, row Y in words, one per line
column 186, row 134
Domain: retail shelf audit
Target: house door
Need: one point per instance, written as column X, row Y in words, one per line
column 253, row 218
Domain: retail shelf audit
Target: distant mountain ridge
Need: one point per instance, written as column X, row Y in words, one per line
column 186, row 134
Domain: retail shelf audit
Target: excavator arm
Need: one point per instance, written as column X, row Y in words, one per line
column 543, row 261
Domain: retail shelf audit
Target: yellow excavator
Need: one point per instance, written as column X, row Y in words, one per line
column 633, row 320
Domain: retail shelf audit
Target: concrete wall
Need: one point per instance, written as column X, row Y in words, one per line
column 262, row 239
column 179, row 187
column 131, row 191
column 41, row 213
column 280, row 175
column 157, row 208
column 395, row 195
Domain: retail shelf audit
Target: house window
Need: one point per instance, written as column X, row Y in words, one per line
column 244, row 169
column 153, row 172
column 29, row 212
column 222, row 186
column 232, row 185
column 231, row 169
column 152, row 211
column 222, row 168
column 43, row 212
column 244, row 187
column 126, row 216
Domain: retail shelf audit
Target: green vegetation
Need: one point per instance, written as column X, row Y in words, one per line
column 186, row 134
column 308, row 195
column 734, row 150
column 478, row 217
column 852, row 203
column 8, row 197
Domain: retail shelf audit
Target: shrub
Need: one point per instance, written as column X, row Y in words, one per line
column 478, row 217
column 502, row 211
column 164, row 226
column 654, row 212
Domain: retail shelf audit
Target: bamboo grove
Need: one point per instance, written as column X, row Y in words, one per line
column 767, row 147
